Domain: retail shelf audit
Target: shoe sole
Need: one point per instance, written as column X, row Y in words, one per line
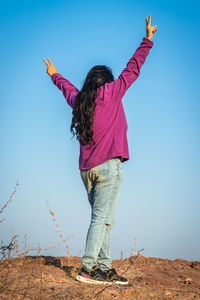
column 120, row 282
column 93, row 281
column 88, row 280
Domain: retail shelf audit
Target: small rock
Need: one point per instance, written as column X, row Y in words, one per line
column 188, row 280
column 168, row 293
column 195, row 265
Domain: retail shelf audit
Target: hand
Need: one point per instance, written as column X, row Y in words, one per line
column 150, row 29
column 50, row 67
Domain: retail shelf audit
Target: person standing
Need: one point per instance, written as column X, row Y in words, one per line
column 99, row 124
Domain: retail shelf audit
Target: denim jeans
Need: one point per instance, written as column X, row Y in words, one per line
column 102, row 184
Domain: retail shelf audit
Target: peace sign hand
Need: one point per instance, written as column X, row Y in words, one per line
column 50, row 67
column 150, row 29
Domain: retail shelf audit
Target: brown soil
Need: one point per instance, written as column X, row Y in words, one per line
column 46, row 277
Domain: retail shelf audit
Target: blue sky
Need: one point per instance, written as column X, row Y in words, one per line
column 159, row 198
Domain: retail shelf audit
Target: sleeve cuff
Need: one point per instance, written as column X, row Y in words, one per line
column 54, row 76
column 148, row 41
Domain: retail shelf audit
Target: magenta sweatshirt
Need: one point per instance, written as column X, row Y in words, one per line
column 109, row 125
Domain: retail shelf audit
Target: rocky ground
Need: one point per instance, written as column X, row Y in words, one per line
column 45, row 277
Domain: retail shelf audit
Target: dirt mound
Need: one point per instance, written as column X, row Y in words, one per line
column 46, row 277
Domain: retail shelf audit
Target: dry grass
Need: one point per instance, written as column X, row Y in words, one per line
column 14, row 261
column 9, row 200
column 59, row 231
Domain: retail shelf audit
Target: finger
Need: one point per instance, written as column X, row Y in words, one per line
column 146, row 21
column 46, row 62
column 154, row 29
column 50, row 61
column 149, row 20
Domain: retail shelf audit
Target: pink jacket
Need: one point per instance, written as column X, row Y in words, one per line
column 110, row 125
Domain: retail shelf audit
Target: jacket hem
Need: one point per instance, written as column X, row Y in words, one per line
column 125, row 158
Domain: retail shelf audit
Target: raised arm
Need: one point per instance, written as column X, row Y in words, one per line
column 68, row 89
column 132, row 70
column 119, row 86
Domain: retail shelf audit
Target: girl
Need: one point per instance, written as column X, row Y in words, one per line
column 100, row 126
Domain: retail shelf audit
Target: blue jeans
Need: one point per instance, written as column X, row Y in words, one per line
column 102, row 184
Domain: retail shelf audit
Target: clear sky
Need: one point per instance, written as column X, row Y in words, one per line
column 159, row 201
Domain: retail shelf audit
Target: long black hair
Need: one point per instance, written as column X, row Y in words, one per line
column 85, row 104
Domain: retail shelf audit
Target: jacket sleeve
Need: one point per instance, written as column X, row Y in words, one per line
column 68, row 89
column 119, row 86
